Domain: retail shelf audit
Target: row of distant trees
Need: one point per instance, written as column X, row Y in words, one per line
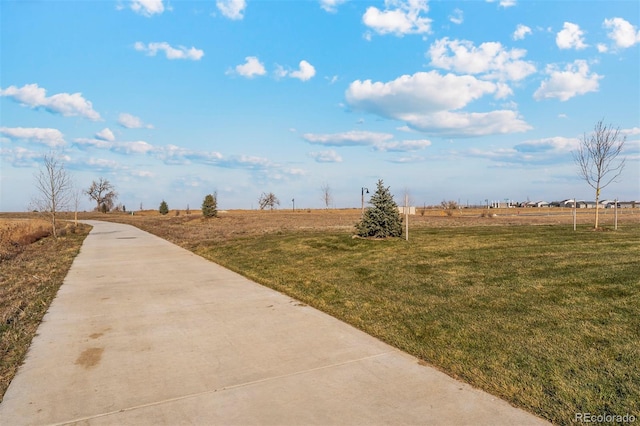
column 596, row 158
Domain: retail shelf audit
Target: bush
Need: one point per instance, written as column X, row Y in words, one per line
column 210, row 205
column 383, row 219
column 164, row 208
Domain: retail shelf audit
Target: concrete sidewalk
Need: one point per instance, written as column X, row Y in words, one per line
column 145, row 332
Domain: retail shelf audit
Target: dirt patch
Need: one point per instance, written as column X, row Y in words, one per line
column 90, row 357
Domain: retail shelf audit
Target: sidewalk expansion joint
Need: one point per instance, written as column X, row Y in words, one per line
column 225, row 388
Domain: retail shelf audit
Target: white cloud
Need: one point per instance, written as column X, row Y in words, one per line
column 555, row 144
column 504, row 3
column 457, row 17
column 420, row 93
column 602, row 48
column 570, row 37
column 132, row 122
column 403, row 146
column 170, row 52
column 521, row 32
column 232, row 9
column 574, row 80
column 106, row 135
column 329, row 156
column 622, row 32
column 491, row 59
column 68, row 105
column 630, row 132
column 352, row 138
column 50, row 137
column 251, row 67
column 306, row 71
column 331, row 6
column 21, row 157
column 399, row 17
column 147, row 7
column 425, row 102
column 378, row 141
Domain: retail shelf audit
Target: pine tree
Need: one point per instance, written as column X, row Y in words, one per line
column 210, row 205
column 164, row 208
column 383, row 219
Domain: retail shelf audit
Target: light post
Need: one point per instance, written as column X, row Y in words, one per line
column 362, row 190
column 293, row 200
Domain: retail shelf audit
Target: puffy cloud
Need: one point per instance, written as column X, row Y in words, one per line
column 132, row 122
column 622, row 32
column 106, row 135
column 331, row 6
column 574, row 80
column 329, row 156
column 170, row 52
column 399, row 17
column 68, row 105
column 420, row 93
column 521, row 32
column 489, row 59
column 570, row 37
column 232, row 9
column 147, row 7
column 424, row 101
column 50, row 137
column 251, row 67
column 306, row 71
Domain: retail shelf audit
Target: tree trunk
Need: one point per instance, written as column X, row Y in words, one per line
column 597, row 205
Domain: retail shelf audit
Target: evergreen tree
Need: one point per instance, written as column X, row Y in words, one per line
column 210, row 205
column 383, row 219
column 164, row 208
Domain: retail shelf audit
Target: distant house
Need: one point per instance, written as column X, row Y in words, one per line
column 537, row 204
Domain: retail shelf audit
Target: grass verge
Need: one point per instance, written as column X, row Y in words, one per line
column 29, row 280
column 544, row 317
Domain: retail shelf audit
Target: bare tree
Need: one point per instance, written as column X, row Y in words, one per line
column 327, row 198
column 268, row 200
column 75, row 195
column 54, row 188
column 103, row 193
column 596, row 158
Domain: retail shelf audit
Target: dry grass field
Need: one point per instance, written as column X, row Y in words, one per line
column 193, row 230
column 32, row 267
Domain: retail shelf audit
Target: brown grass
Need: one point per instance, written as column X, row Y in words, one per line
column 15, row 234
column 191, row 231
column 31, row 271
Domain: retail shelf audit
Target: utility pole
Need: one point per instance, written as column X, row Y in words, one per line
column 362, row 189
column 406, row 216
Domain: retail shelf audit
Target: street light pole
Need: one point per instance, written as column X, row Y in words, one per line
column 362, row 195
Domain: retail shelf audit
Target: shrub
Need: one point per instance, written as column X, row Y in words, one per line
column 383, row 219
column 210, row 205
column 164, row 208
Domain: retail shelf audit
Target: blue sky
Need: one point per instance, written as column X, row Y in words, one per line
column 456, row 100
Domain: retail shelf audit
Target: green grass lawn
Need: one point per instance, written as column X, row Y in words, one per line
column 545, row 317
